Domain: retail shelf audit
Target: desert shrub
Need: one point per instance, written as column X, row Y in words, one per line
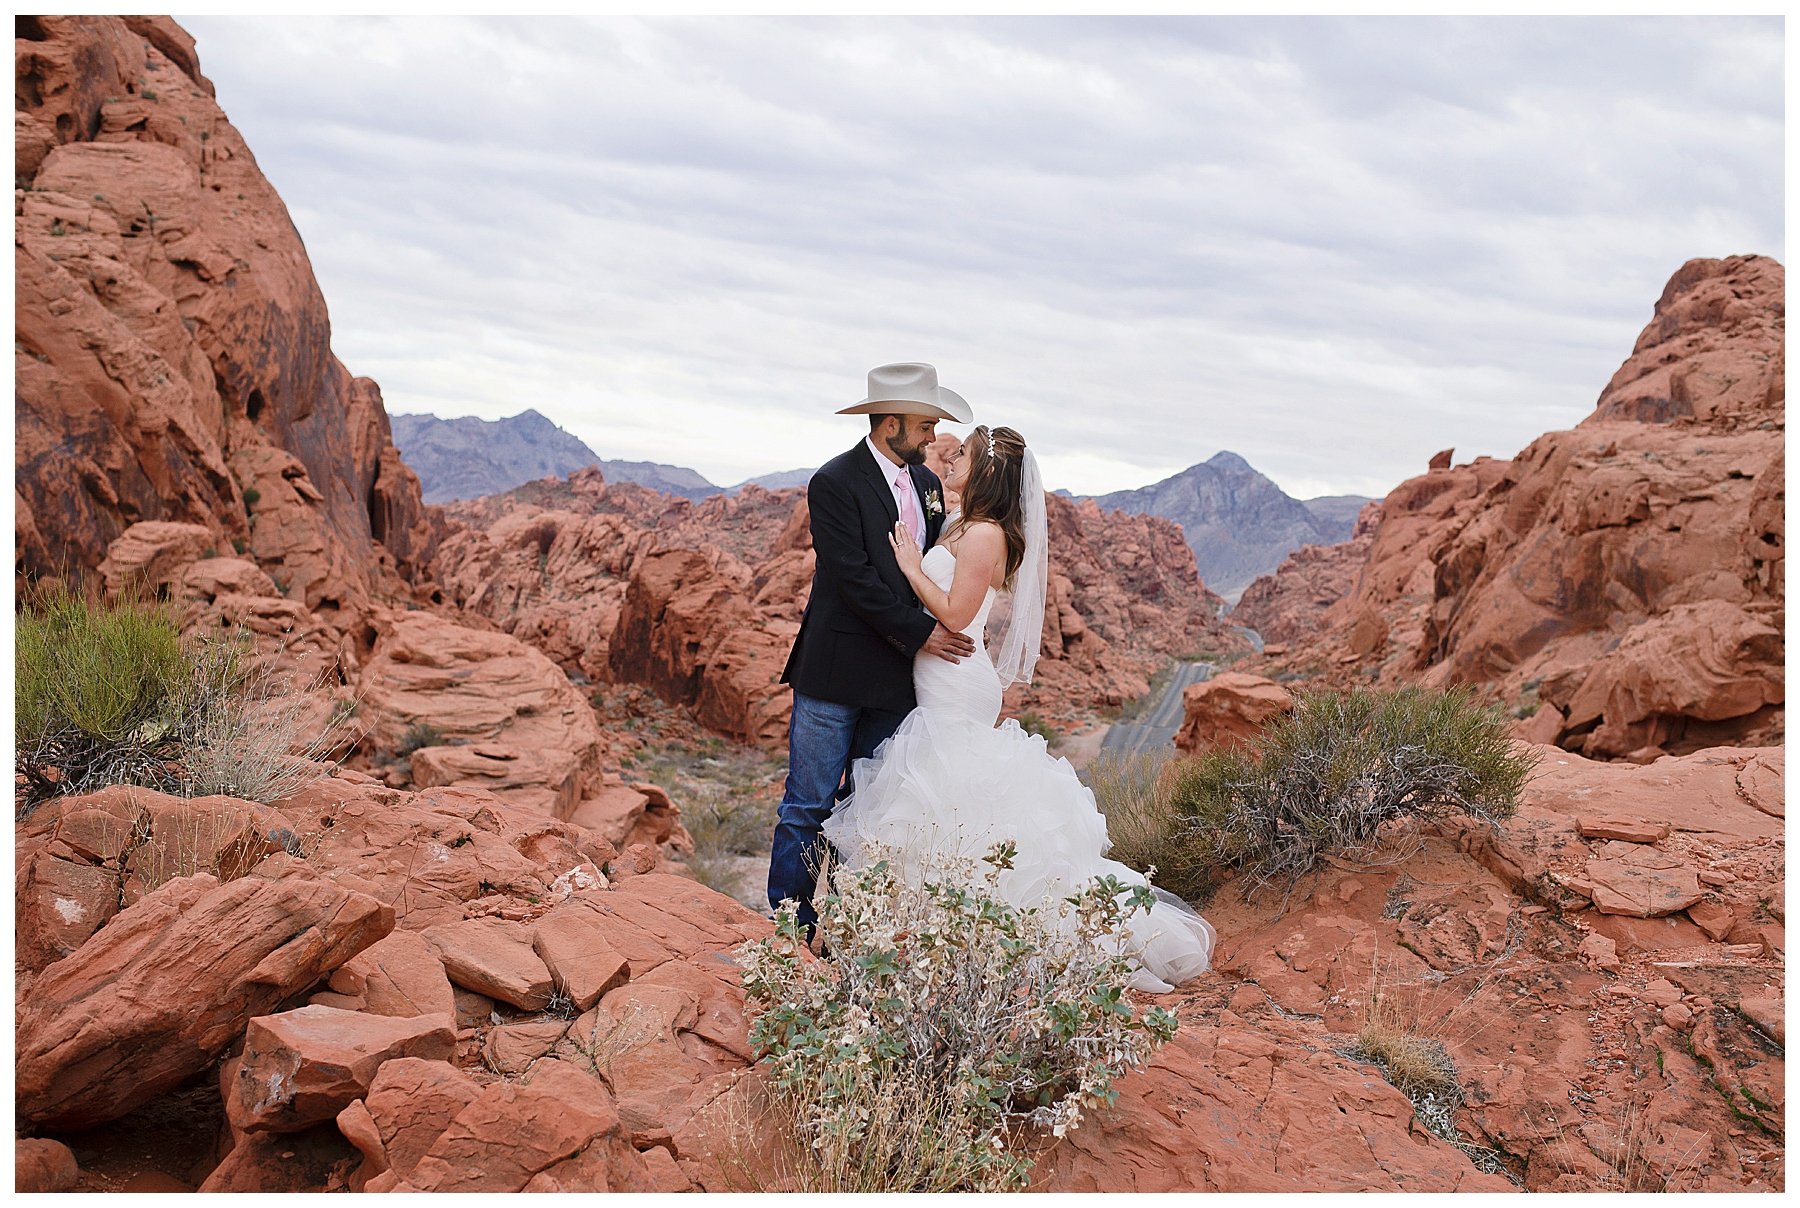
column 93, row 692
column 1338, row 773
column 943, row 1024
column 1132, row 789
column 729, row 795
column 113, row 694
column 1402, row 1035
column 243, row 731
column 1341, row 771
column 1034, row 723
column 418, row 735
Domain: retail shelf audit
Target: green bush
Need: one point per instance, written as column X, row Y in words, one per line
column 94, row 693
column 1329, row 777
column 419, row 734
column 113, row 694
column 1337, row 774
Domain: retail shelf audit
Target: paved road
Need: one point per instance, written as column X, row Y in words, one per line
column 1164, row 718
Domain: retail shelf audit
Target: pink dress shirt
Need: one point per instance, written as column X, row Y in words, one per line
column 906, row 498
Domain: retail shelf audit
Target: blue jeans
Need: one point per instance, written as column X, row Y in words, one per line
column 824, row 739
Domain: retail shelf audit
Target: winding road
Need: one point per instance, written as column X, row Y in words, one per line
column 1159, row 725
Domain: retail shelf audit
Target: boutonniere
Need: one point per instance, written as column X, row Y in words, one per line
column 934, row 504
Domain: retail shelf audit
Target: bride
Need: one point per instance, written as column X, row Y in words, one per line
column 949, row 780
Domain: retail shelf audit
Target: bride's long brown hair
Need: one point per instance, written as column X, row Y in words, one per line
column 996, row 462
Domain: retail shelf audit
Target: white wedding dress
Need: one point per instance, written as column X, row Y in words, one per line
column 950, row 781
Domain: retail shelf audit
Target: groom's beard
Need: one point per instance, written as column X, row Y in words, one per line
column 914, row 456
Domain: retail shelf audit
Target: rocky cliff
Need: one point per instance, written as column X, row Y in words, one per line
column 1622, row 582
column 172, row 351
column 1238, row 523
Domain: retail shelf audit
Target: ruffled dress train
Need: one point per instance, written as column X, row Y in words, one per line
column 949, row 782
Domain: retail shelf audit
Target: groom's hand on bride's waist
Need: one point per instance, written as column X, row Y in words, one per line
column 949, row 646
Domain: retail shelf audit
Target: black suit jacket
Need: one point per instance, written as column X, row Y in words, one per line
column 863, row 623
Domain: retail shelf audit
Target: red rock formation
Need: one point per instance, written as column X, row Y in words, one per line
column 1288, row 606
column 1225, row 711
column 172, row 349
column 1627, row 575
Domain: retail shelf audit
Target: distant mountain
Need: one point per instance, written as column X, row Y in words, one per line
column 1238, row 522
column 776, row 481
column 470, row 457
column 1336, row 514
column 670, row 480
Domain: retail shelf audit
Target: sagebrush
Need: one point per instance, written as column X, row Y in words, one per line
column 944, row 1026
column 1337, row 775
column 1340, row 770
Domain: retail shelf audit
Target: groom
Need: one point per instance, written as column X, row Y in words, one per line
column 851, row 668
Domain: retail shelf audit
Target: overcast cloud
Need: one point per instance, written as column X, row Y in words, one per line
column 1331, row 246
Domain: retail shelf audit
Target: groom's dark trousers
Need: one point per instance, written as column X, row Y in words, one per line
column 851, row 668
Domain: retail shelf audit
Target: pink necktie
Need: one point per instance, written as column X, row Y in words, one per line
column 909, row 508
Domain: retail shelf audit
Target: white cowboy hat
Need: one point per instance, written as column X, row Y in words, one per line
column 911, row 388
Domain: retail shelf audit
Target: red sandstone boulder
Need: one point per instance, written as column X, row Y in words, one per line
column 412, row 1102
column 303, row 1067
column 1624, row 887
column 571, row 941
column 152, row 555
column 425, row 854
column 624, row 815
column 549, row 782
column 1713, row 918
column 1227, row 710
column 59, row 903
column 1618, row 826
column 493, row 957
column 1629, row 572
column 1709, row 661
column 558, row 1126
column 160, row 991
column 359, row 1128
column 1760, row 782
column 655, row 1063
column 490, row 691
column 40, row 1165
column 223, row 836
column 209, row 578
column 398, row 975
column 316, row 1159
column 512, row 1048
column 157, row 355
column 1255, row 1110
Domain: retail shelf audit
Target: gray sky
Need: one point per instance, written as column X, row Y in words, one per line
column 1332, row 246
